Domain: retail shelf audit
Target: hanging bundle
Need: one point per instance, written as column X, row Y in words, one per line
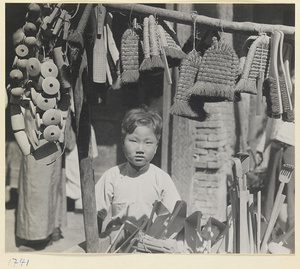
column 272, row 83
column 184, row 104
column 285, row 83
column 146, row 64
column 170, row 43
column 257, row 61
column 217, row 73
column 130, row 56
column 156, row 61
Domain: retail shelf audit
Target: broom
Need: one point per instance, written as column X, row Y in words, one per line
column 288, row 114
column 217, row 74
column 146, row 64
column 171, row 45
column 156, row 62
column 130, row 56
column 256, row 61
column 272, row 84
column 182, row 106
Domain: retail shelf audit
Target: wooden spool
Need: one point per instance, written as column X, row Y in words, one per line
column 18, row 37
column 17, row 119
column 22, row 50
column 23, row 143
column 30, row 41
column 45, row 103
column 49, row 69
column 33, row 67
column 17, row 91
column 51, row 85
column 29, row 29
column 34, row 95
column 21, row 64
column 16, row 77
column 51, row 117
column 51, row 133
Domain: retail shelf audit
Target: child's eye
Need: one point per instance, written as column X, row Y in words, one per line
column 132, row 140
column 149, row 142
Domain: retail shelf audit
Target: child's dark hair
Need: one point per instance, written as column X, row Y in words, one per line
column 141, row 116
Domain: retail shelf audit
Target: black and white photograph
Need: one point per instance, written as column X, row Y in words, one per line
column 148, row 128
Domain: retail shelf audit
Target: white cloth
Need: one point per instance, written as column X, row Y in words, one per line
column 279, row 130
column 131, row 194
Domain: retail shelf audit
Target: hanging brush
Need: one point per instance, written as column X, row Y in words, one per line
column 130, row 56
column 285, row 86
column 256, row 60
column 217, row 74
column 156, row 62
column 184, row 105
column 170, row 44
column 271, row 84
column 146, row 64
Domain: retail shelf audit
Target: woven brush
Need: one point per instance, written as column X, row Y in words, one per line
column 217, row 73
column 184, row 104
column 171, row 45
column 146, row 63
column 156, row 61
column 288, row 114
column 272, row 98
column 130, row 56
column 257, row 60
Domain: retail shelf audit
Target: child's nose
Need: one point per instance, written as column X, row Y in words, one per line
column 140, row 147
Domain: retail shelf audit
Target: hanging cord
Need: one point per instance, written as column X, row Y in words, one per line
column 76, row 11
column 62, row 152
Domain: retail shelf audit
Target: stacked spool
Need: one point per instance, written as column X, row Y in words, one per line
column 33, row 86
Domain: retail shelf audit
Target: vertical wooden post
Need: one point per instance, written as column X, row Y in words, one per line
column 83, row 132
column 167, row 95
column 182, row 140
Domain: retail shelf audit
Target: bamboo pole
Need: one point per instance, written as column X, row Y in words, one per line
column 186, row 18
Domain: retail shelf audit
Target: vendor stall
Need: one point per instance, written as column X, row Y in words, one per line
column 69, row 56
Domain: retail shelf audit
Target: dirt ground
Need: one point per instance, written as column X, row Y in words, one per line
column 73, row 234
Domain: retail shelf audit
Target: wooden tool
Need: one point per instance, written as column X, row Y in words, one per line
column 48, row 20
column 192, row 227
column 283, row 70
column 51, row 86
column 258, row 235
column 284, row 177
column 51, row 133
column 33, row 67
column 275, row 39
column 175, row 221
column 49, row 69
column 99, row 50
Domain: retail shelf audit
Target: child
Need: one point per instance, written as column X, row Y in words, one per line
column 132, row 187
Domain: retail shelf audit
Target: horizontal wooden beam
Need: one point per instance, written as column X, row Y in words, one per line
column 185, row 18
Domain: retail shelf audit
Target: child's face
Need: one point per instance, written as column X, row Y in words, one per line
column 140, row 146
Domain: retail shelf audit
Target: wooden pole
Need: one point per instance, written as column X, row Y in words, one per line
column 83, row 134
column 186, row 18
